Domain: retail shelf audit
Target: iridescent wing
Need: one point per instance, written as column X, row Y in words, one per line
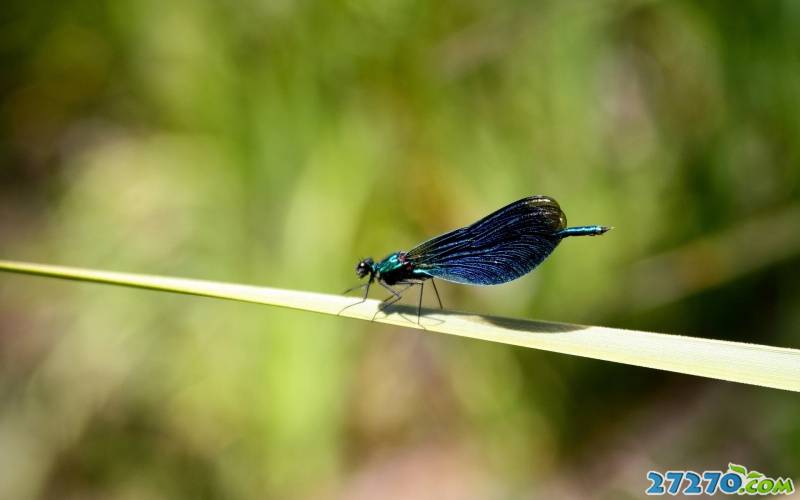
column 501, row 247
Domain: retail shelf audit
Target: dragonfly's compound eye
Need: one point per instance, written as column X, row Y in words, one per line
column 364, row 267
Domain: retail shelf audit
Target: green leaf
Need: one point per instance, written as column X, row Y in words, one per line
column 754, row 474
column 740, row 469
column 755, row 364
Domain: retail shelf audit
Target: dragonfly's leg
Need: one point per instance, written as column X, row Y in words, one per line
column 362, row 285
column 437, row 293
column 419, row 305
column 421, row 284
column 363, row 299
column 389, row 301
column 409, row 284
column 394, row 297
column 395, row 294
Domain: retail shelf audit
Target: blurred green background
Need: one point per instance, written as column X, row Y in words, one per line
column 277, row 142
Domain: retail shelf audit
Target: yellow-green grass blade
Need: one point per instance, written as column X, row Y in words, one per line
column 733, row 361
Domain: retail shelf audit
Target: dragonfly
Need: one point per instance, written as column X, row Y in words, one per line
column 501, row 247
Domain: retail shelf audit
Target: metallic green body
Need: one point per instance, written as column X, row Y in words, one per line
column 395, row 268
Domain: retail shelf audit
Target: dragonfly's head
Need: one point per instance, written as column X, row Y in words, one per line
column 365, row 267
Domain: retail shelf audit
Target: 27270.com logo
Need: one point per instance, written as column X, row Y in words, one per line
column 737, row 480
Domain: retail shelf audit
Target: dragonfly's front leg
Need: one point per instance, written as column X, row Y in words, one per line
column 363, row 299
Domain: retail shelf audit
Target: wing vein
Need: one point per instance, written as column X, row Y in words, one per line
column 502, row 246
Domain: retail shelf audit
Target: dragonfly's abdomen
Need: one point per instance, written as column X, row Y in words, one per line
column 582, row 231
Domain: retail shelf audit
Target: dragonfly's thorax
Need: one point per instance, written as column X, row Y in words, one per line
column 394, row 268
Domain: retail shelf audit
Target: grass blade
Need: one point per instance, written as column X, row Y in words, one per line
column 733, row 361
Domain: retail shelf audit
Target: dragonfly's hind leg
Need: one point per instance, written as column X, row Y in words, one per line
column 419, row 304
column 438, row 299
column 421, row 284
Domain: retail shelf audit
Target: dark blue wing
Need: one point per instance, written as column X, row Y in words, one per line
column 500, row 247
